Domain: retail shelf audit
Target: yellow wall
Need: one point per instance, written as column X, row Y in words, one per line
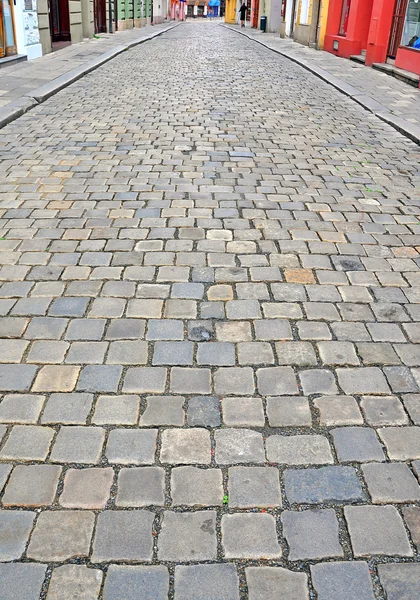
column 323, row 21
column 230, row 11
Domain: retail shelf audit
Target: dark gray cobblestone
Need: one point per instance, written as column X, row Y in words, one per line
column 209, row 366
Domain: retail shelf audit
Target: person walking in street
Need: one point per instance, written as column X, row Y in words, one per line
column 242, row 13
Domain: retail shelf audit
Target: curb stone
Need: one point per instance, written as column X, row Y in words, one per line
column 17, row 108
column 408, row 129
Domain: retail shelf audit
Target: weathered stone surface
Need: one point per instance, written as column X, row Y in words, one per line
column 270, row 583
column 123, row 536
column 326, row 484
column 194, row 486
column 311, row 534
column 185, row 446
column 239, row 446
column 299, row 450
column 342, row 581
column 75, row 581
column 132, row 583
column 254, row 486
column 15, row 527
column 400, row 581
column 61, row 535
column 186, row 537
column 200, row 582
column 377, row 530
column 249, row 536
column 21, row 580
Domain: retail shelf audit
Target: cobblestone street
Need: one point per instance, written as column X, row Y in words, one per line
column 210, row 359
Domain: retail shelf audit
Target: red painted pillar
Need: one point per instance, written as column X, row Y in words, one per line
column 379, row 31
column 355, row 39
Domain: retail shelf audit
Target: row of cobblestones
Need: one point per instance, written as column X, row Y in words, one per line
column 209, row 339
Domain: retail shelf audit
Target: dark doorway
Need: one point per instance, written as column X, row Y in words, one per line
column 293, row 23
column 59, row 20
column 99, row 15
column 397, row 27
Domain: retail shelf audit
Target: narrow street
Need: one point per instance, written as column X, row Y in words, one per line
column 209, row 323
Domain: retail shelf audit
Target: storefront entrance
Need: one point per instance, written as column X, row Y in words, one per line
column 99, row 14
column 397, row 27
column 7, row 31
column 59, row 20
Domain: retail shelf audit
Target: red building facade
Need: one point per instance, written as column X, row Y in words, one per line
column 384, row 30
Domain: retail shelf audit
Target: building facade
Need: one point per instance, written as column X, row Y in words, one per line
column 381, row 31
column 19, row 30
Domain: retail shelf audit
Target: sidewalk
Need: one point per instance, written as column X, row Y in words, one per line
column 25, row 84
column 390, row 99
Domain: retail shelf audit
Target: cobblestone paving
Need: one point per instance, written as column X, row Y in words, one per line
column 210, row 295
column 398, row 97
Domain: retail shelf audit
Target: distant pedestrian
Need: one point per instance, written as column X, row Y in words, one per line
column 242, row 13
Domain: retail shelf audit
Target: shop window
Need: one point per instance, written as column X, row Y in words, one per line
column 411, row 34
column 344, row 21
column 304, row 12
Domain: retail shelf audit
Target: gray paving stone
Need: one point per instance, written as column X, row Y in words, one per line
column 32, row 485
column 78, row 445
column 234, row 380
column 391, row 483
column 119, row 410
column 318, row 381
column 15, row 528
column 357, row 444
column 173, row 353
column 163, row 410
column 61, row 535
column 216, row 353
column 165, row 330
column 141, row 486
column 402, row 443
column 387, row 410
column 411, row 516
column 71, row 409
column 190, row 381
column 22, row 580
column 185, row 446
column 123, row 536
column 338, row 410
column 367, row 380
column 16, row 378
column 100, row 378
column 270, row 583
column 400, row 581
column 299, row 450
column 134, row 582
column 188, row 536
column 288, row 412
column 342, row 581
column 87, row 488
column 201, row 582
column 276, row 381
column 21, row 408
column 312, row 534
column 128, row 352
column 300, row 354
column 5, row 471
column 70, row 580
column 203, row 411
column 376, row 530
column 131, row 446
column 27, row 442
column 250, row 535
column 412, row 406
column 193, row 486
column 239, row 446
column 254, row 486
column 327, row 484
column 239, row 412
